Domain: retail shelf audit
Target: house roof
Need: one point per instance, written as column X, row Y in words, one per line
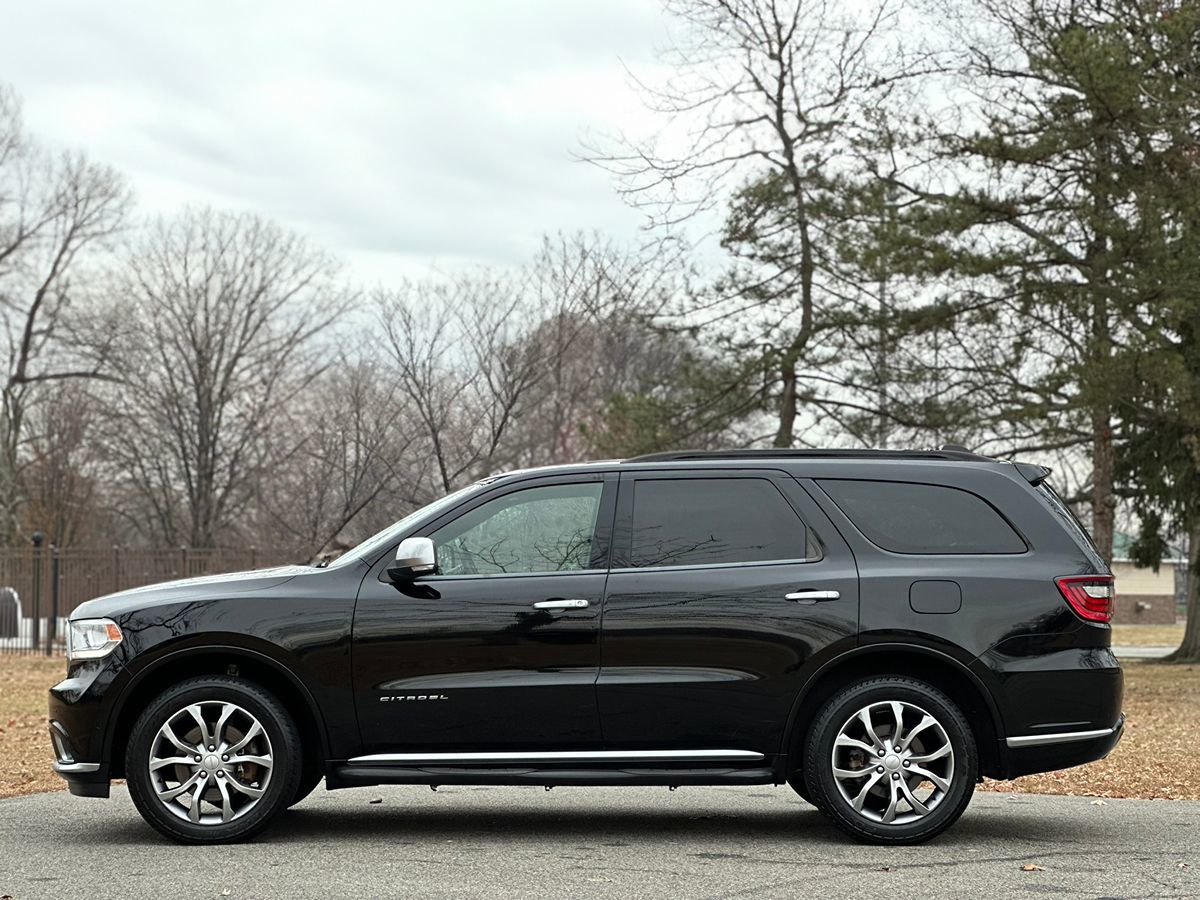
column 1123, row 544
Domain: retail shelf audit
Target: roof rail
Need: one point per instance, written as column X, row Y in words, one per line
column 947, row 452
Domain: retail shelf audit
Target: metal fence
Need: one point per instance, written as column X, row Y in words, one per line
column 40, row 586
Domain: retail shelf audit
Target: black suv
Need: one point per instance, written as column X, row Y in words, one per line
column 878, row 629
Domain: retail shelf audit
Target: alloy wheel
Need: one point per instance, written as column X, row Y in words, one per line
column 893, row 762
column 210, row 762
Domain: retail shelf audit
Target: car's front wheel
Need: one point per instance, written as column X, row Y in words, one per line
column 891, row 760
column 309, row 779
column 212, row 760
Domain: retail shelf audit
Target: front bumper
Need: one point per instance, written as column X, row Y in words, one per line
column 84, row 779
column 1030, row 754
column 76, row 727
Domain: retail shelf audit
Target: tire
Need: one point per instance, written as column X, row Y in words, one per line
column 309, row 779
column 221, row 797
column 796, row 783
column 839, row 730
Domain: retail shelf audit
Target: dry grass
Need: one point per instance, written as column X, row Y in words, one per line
column 1147, row 635
column 1162, row 703
column 25, row 754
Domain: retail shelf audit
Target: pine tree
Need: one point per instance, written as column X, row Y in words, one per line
column 1040, row 234
column 1160, row 461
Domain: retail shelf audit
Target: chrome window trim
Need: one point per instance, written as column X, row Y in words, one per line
column 728, row 565
column 426, row 579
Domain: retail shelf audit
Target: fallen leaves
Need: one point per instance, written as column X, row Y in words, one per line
column 25, row 753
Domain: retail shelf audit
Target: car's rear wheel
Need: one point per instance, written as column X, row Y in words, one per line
column 212, row 760
column 796, row 781
column 891, row 761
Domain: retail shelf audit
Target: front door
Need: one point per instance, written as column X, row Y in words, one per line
column 500, row 649
column 727, row 590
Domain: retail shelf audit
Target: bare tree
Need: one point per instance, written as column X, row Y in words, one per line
column 595, row 336
column 54, row 211
column 765, row 108
column 349, row 452
column 228, row 322
column 62, row 474
column 459, row 365
column 505, row 369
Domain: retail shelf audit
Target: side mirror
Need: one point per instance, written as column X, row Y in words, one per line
column 414, row 557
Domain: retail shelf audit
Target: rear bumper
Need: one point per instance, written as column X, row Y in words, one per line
column 1057, row 709
column 1030, row 754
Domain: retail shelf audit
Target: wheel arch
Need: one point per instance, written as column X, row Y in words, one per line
column 253, row 665
column 941, row 670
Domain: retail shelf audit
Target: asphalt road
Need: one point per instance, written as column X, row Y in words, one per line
column 600, row 842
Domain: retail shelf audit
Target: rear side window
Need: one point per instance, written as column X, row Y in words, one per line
column 1068, row 517
column 923, row 518
column 709, row 521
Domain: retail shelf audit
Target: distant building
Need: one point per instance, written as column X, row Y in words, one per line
column 1146, row 597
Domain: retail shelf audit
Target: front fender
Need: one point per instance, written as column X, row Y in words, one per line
column 132, row 681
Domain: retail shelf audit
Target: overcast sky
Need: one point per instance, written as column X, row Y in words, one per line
column 401, row 135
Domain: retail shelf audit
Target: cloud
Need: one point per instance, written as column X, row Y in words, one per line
column 396, row 134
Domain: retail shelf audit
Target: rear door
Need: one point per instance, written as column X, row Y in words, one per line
column 728, row 588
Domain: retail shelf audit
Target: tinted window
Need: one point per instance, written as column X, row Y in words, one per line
column 923, row 518
column 704, row 521
column 543, row 529
column 1067, row 515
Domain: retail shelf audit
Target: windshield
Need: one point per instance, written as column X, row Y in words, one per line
column 378, row 541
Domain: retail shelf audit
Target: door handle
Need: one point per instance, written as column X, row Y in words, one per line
column 560, row 604
column 811, row 596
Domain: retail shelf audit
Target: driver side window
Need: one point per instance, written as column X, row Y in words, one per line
column 541, row 529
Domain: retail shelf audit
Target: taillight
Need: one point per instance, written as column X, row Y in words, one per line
column 1089, row 595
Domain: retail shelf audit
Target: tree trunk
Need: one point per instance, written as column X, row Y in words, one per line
column 1103, row 502
column 787, row 406
column 11, row 499
column 1189, row 649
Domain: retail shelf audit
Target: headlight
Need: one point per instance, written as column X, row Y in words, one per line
column 92, row 638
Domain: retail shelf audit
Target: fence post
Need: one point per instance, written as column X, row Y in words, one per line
column 116, row 568
column 52, row 629
column 183, row 572
column 253, row 557
column 36, row 634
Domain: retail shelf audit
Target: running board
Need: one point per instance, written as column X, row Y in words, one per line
column 557, row 757
column 359, row 775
